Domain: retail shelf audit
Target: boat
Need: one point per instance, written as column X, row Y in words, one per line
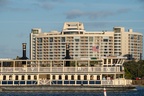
column 66, row 74
column 83, row 74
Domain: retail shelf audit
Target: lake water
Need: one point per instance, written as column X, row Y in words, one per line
column 138, row 92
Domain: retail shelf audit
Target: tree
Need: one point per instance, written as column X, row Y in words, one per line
column 134, row 69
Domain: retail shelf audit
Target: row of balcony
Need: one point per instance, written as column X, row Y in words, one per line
column 71, row 43
column 60, row 69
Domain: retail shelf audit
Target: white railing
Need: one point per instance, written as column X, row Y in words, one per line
column 43, row 69
column 116, row 82
column 57, row 69
column 32, row 69
column 95, row 69
column 107, row 82
column 60, row 69
column 7, row 69
column 19, row 69
column 69, row 69
column 82, row 69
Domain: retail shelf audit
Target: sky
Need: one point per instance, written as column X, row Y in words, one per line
column 18, row 17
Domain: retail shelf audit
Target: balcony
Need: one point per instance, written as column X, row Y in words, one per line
column 59, row 69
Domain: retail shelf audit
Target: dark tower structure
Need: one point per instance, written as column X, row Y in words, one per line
column 67, row 55
column 140, row 56
column 23, row 53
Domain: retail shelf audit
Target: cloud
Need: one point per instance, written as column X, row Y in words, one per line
column 50, row 0
column 44, row 4
column 57, row 0
column 48, row 4
column 123, row 10
column 141, row 0
column 74, row 14
column 96, row 25
column 3, row 2
column 142, row 3
column 17, row 9
column 95, row 14
column 7, row 5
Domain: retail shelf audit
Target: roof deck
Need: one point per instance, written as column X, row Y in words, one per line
column 104, row 65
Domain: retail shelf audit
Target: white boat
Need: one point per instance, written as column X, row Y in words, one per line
column 53, row 75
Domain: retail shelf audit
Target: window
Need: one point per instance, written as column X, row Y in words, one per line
column 35, row 77
column 63, row 39
column 132, row 36
column 138, row 37
column 72, row 77
column 72, row 29
column 81, row 32
column 105, row 61
column 114, row 61
column 91, row 77
column 78, row 77
column 109, row 61
column 40, row 40
column 117, row 30
column 60, row 77
column 71, row 32
column 23, row 78
column 29, row 77
column 53, row 77
column 10, row 77
column 77, row 40
column 4, row 77
column 16, row 78
column 91, row 39
column 35, row 31
column 105, row 40
column 66, row 77
column 85, row 77
column 98, row 77
column 51, row 39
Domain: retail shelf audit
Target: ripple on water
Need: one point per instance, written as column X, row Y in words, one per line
column 138, row 92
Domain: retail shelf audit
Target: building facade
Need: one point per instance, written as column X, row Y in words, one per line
column 84, row 44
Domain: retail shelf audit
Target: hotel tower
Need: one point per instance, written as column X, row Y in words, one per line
column 85, row 44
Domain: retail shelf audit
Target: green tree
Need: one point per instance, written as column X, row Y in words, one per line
column 134, row 69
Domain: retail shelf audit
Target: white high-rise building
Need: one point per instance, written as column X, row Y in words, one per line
column 84, row 44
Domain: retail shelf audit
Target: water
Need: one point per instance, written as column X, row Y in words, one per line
column 138, row 92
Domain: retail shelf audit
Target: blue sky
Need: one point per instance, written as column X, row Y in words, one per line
column 18, row 17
